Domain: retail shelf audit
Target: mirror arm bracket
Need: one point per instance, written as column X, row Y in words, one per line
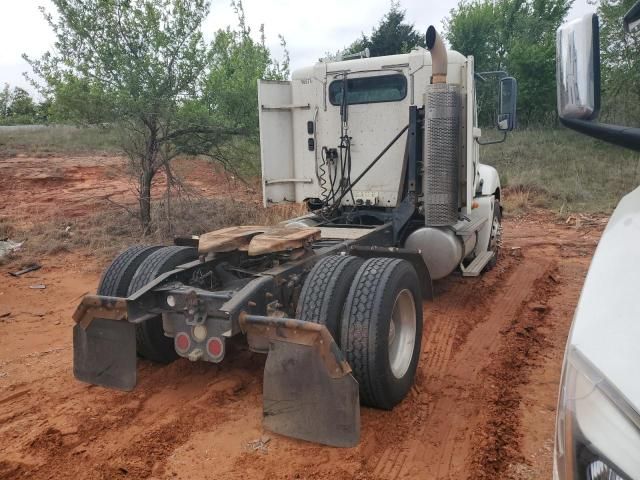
column 628, row 137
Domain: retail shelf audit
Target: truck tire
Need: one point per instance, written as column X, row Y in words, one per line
column 382, row 330
column 325, row 290
column 116, row 278
column 495, row 236
column 151, row 342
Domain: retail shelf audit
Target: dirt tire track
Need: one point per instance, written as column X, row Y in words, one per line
column 133, row 433
column 497, row 438
column 445, row 326
column 442, row 446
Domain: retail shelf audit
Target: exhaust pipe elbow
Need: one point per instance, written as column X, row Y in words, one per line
column 436, row 47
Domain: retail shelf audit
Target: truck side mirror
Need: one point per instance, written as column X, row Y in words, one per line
column 578, row 68
column 578, row 79
column 507, row 107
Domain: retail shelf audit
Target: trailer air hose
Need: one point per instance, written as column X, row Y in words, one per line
column 329, row 163
column 321, row 173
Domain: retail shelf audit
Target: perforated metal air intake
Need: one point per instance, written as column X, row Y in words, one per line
column 441, row 154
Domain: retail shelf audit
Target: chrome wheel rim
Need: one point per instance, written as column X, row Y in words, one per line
column 402, row 333
column 496, row 234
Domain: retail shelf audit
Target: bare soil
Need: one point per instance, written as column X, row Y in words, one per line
column 35, row 189
column 483, row 404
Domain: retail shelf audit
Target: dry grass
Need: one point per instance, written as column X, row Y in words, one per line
column 106, row 233
column 45, row 141
column 6, row 229
column 520, row 199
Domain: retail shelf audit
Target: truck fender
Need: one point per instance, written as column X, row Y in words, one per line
column 489, row 181
column 485, row 206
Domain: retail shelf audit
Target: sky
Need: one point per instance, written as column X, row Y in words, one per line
column 310, row 29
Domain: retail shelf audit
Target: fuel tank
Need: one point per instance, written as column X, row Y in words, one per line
column 441, row 249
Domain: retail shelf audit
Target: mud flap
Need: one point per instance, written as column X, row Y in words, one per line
column 309, row 392
column 104, row 343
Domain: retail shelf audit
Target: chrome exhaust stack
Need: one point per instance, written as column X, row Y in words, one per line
column 439, row 60
column 442, row 139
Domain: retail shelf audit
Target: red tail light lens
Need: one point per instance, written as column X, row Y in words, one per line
column 215, row 347
column 182, row 342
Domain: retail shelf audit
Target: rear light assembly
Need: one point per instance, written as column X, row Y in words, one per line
column 198, row 347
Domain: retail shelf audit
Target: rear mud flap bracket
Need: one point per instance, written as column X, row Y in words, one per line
column 104, row 343
column 309, row 392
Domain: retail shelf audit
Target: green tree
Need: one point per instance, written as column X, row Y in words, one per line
column 472, row 30
column 229, row 97
column 620, row 64
column 21, row 103
column 517, row 36
column 145, row 68
column 5, row 100
column 231, row 89
column 138, row 67
column 80, row 100
column 393, row 35
column 43, row 111
column 139, row 62
column 17, row 107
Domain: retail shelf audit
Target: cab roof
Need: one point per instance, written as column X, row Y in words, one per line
column 419, row 55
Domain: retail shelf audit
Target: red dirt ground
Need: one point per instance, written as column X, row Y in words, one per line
column 33, row 189
column 483, row 405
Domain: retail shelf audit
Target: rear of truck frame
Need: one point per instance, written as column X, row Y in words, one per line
column 384, row 152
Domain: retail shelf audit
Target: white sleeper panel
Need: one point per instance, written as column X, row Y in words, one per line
column 276, row 141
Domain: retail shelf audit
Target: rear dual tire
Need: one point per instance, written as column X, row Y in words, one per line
column 325, row 291
column 151, row 342
column 373, row 309
column 117, row 277
column 382, row 330
column 132, row 270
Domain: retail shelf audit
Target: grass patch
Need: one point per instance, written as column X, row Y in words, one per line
column 519, row 199
column 562, row 170
column 43, row 141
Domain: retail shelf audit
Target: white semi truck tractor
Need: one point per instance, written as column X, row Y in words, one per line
column 384, row 152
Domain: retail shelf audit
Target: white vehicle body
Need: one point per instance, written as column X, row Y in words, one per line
column 598, row 419
column 334, row 297
column 290, row 166
column 600, row 392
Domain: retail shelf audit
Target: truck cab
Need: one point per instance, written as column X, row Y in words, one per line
column 301, row 123
column 322, row 129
